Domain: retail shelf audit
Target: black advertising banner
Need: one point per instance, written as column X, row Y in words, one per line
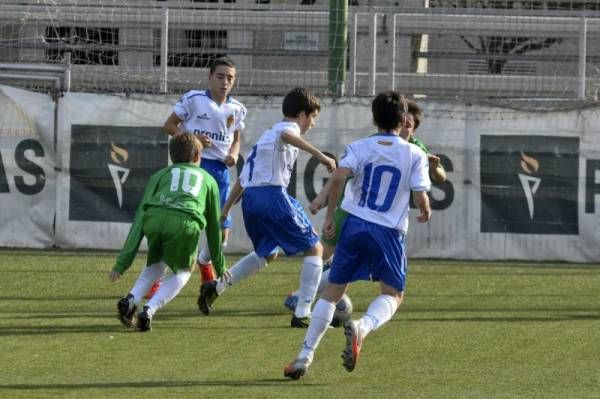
column 529, row 184
column 110, row 166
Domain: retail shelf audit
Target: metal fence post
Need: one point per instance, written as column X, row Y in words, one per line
column 164, row 47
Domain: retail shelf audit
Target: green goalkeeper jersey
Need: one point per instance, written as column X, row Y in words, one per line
column 181, row 188
column 420, row 144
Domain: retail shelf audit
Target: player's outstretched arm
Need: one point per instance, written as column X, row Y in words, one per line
column 422, row 201
column 304, row 145
column 171, row 126
column 338, row 180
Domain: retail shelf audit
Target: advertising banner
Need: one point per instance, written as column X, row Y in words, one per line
column 110, row 146
column 27, row 174
column 522, row 185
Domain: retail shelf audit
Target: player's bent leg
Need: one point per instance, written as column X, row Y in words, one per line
column 244, row 268
column 310, row 276
column 148, row 276
column 309, row 281
column 379, row 312
column 322, row 316
column 168, row 290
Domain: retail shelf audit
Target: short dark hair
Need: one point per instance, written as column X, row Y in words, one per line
column 298, row 100
column 415, row 110
column 388, row 108
column 221, row 61
column 184, row 147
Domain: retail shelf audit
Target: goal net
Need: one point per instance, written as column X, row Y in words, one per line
column 434, row 48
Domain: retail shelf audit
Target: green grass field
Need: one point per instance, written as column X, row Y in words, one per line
column 465, row 330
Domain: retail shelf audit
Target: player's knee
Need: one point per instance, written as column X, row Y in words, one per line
column 328, row 251
column 393, row 292
column 334, row 292
column 316, row 250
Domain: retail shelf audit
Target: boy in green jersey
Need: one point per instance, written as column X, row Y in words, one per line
column 178, row 203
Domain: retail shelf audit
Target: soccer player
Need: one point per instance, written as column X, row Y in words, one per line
column 178, row 203
column 271, row 216
column 217, row 119
column 437, row 174
column 386, row 169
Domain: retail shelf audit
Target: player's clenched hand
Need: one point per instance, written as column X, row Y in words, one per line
column 434, row 161
column 329, row 163
column 229, row 160
column 318, row 203
column 329, row 229
column 424, row 216
column 113, row 276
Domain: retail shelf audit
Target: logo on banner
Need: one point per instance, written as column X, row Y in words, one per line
column 529, row 184
column 110, row 166
column 118, row 173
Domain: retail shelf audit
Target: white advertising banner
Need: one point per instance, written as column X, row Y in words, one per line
column 525, row 185
column 521, row 185
column 109, row 147
column 27, row 176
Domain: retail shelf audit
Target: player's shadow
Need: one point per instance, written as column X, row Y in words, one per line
column 30, row 330
column 54, row 298
column 551, row 318
column 266, row 382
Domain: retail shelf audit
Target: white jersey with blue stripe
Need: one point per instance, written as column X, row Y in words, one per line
column 271, row 160
column 200, row 114
column 386, row 168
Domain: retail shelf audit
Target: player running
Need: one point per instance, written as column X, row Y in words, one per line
column 386, row 170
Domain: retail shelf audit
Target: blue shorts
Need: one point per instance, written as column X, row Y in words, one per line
column 220, row 172
column 368, row 251
column 274, row 219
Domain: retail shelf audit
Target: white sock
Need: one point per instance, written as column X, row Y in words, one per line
column 324, row 281
column 148, row 276
column 309, row 281
column 380, row 311
column 170, row 287
column 319, row 323
column 244, row 268
column 204, row 255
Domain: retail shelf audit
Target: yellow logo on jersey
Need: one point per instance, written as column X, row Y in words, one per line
column 229, row 120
